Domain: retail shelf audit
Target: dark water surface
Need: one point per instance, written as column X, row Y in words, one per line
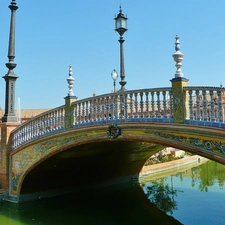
column 195, row 196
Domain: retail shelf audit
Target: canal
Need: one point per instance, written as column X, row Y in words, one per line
column 191, row 196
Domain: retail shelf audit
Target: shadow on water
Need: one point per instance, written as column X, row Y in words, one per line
column 127, row 205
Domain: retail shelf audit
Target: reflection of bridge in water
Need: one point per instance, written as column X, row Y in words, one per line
column 72, row 145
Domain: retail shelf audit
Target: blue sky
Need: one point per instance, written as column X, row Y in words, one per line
column 50, row 35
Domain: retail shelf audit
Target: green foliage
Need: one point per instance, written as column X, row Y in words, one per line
column 162, row 159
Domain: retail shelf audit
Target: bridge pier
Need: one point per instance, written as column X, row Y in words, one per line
column 6, row 129
column 5, row 148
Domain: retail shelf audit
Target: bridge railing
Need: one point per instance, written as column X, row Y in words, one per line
column 136, row 105
column 206, row 106
column 41, row 125
column 140, row 105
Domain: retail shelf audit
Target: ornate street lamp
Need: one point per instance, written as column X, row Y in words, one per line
column 114, row 76
column 10, row 77
column 121, row 28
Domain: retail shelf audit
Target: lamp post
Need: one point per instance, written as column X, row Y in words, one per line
column 114, row 76
column 121, row 28
column 10, row 77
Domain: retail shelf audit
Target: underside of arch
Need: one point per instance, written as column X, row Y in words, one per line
column 89, row 164
column 88, row 156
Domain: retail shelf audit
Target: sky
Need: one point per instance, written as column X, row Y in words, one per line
column 51, row 35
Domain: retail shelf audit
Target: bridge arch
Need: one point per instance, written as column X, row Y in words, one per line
column 149, row 137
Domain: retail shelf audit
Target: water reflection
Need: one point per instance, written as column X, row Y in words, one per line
column 173, row 199
column 115, row 205
column 187, row 191
column 208, row 175
column 162, row 195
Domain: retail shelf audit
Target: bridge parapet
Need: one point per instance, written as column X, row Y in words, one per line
column 48, row 122
column 206, row 107
column 153, row 105
column 143, row 104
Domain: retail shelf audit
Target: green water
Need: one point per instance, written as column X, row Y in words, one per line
column 195, row 196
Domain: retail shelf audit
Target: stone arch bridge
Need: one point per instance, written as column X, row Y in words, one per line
column 109, row 137
column 106, row 138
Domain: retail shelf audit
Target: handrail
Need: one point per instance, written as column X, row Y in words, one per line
column 205, row 106
column 132, row 104
column 40, row 125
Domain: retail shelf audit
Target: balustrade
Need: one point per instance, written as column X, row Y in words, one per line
column 126, row 105
column 206, row 104
column 47, row 122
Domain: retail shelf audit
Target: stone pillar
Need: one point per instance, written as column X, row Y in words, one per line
column 69, row 99
column 6, row 145
column 69, row 119
column 180, row 97
column 180, row 100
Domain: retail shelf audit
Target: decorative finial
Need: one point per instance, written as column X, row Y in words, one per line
column 13, row 5
column 70, row 81
column 13, row 2
column 120, row 9
column 178, row 57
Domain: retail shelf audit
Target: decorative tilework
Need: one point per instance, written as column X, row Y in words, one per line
column 25, row 158
column 179, row 100
column 204, row 142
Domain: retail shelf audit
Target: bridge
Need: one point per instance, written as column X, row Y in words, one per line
column 105, row 138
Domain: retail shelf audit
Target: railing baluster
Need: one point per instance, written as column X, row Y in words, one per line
column 83, row 113
column 86, row 112
column 147, row 105
column 99, row 109
column 158, row 104
column 125, row 107
column 171, row 103
column 164, row 104
column 121, row 108
column 198, row 116
column 205, row 115
column 91, row 111
column 153, row 104
column 141, row 105
column 191, row 105
column 103, row 108
column 112, row 107
column 79, row 113
column 131, row 106
column 95, row 110
column 116, row 107
column 220, row 106
column 136, row 105
column 212, row 112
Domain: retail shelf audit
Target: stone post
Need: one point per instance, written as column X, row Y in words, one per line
column 69, row 99
column 180, row 97
column 6, row 145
